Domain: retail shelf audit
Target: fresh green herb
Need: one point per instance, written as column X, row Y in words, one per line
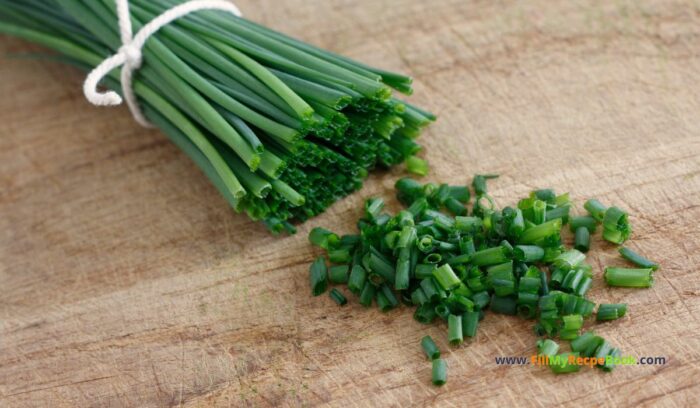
column 281, row 128
column 630, row 278
column 430, row 348
column 417, row 166
column 319, row 276
column 637, row 259
column 338, row 297
column 611, row 311
column 457, row 266
column 439, row 372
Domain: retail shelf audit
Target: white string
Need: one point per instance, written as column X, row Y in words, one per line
column 130, row 55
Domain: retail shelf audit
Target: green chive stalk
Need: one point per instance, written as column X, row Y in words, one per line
column 281, row 128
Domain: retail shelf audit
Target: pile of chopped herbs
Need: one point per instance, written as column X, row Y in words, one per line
column 283, row 129
column 453, row 261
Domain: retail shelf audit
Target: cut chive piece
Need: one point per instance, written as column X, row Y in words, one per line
column 439, row 372
column 539, row 233
column 430, row 349
column 616, row 228
column 611, row 311
column 630, row 278
column 417, row 166
column 490, row 256
column 470, row 323
column 528, row 253
column 338, row 273
column 367, row 294
column 586, row 344
column 446, row 277
column 479, row 183
column 547, row 347
column 319, row 276
column 356, row 282
column 595, row 208
column 338, row 297
column 582, row 240
column 637, row 259
column 569, row 259
column 339, row 255
column 323, row 238
column 454, row 329
column 460, row 193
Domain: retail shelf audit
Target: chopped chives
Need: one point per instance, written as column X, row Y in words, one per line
column 439, row 372
column 446, row 277
column 357, row 278
column 424, row 271
column 637, row 259
column 481, row 300
column 460, row 193
column 323, row 238
column 582, row 240
column 569, row 259
column 430, row 349
column 528, row 253
column 367, row 294
column 319, row 276
column 630, row 278
column 341, row 255
column 418, row 297
column 490, row 256
column 425, row 313
column 547, row 347
column 595, row 208
column 470, row 322
column 539, row 209
column 338, row 297
column 586, row 344
column 338, row 273
column 538, row 233
column 382, row 302
column 611, row 311
column 417, row 165
column 468, row 224
column 454, row 329
column 616, row 228
column 479, row 182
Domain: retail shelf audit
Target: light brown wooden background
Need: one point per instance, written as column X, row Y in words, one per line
column 126, row 280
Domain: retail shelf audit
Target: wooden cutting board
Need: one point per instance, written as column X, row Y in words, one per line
column 126, row 280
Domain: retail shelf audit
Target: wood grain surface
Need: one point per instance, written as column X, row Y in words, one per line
column 126, row 280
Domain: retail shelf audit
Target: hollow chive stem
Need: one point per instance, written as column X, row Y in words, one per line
column 611, row 311
column 439, row 372
column 367, row 294
column 446, row 277
column 319, row 276
column 569, row 259
column 547, row 347
column 357, row 279
column 417, row 166
column 338, row 297
column 323, row 238
column 637, row 259
column 595, row 208
column 538, row 233
column 338, row 273
column 582, row 240
column 460, row 193
column 490, row 256
column 528, row 253
column 539, row 211
column 630, row 278
column 454, row 329
column 430, row 349
column 479, row 183
column 470, row 323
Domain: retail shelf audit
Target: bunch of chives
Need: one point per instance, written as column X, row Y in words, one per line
column 454, row 262
column 281, row 128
